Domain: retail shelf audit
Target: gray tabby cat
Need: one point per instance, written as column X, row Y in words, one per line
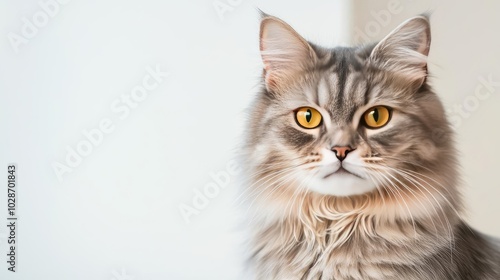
column 351, row 166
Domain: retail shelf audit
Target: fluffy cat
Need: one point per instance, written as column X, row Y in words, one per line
column 352, row 173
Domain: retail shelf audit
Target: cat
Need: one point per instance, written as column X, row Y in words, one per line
column 351, row 167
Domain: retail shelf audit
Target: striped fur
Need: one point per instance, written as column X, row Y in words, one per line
column 400, row 218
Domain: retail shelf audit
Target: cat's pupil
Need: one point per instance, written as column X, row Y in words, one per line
column 375, row 115
column 308, row 115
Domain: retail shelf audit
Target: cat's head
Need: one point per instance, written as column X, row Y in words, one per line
column 347, row 121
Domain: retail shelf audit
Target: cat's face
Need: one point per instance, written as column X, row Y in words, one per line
column 346, row 121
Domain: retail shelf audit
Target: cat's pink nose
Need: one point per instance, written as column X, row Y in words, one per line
column 341, row 151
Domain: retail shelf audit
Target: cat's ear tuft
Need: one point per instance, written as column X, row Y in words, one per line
column 284, row 52
column 404, row 51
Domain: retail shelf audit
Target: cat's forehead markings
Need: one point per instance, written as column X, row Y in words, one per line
column 350, row 89
column 311, row 95
column 346, row 95
column 324, row 90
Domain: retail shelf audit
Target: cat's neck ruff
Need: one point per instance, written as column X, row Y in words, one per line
column 317, row 233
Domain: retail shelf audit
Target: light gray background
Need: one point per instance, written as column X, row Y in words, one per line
column 116, row 215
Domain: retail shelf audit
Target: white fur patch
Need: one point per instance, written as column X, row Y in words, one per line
column 353, row 182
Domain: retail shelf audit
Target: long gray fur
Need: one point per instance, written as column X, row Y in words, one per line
column 410, row 227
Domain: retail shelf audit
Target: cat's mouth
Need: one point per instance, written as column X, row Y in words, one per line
column 342, row 171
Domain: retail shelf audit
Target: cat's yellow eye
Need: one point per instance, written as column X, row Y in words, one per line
column 308, row 117
column 377, row 117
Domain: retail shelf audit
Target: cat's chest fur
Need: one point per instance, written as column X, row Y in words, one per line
column 350, row 248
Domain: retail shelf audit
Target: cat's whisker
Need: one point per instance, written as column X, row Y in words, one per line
column 448, row 224
column 413, row 178
column 260, row 176
column 378, row 185
column 372, row 159
column 266, row 181
column 279, row 166
column 415, row 195
column 418, row 185
column 270, row 180
column 378, row 167
column 283, row 175
column 278, row 183
column 403, row 200
column 418, row 199
column 410, row 172
column 416, row 175
column 451, row 205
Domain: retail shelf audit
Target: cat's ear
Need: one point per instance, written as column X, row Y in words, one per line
column 284, row 52
column 404, row 51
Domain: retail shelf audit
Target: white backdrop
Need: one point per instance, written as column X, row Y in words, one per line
column 100, row 69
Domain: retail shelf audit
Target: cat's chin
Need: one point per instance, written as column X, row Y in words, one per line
column 341, row 184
